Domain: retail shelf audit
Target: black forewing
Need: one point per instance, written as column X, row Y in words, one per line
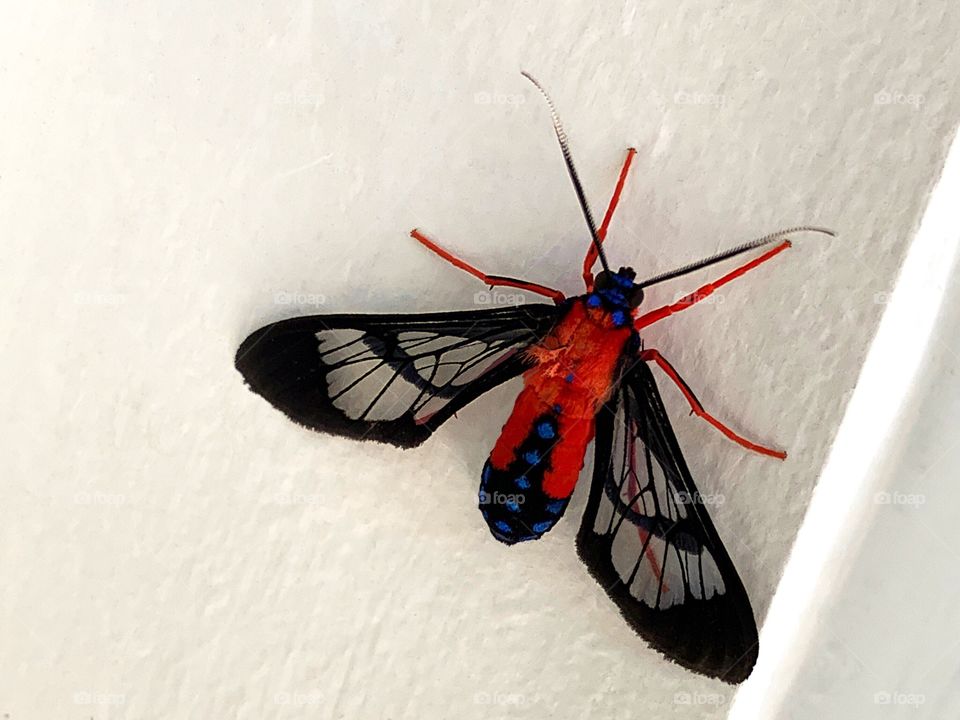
column 647, row 538
column 390, row 378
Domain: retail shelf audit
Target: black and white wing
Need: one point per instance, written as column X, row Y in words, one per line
column 390, row 378
column 648, row 540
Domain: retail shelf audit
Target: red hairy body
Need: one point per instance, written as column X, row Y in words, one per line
column 572, row 379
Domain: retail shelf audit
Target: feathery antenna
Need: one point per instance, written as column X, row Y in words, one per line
column 565, row 148
column 727, row 254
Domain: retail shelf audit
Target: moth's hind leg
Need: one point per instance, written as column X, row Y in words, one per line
column 650, row 355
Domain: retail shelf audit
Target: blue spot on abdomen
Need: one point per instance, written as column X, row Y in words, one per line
column 556, row 506
column 512, row 499
column 546, row 430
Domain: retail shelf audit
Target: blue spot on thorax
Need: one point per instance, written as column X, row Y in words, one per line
column 614, row 301
column 615, row 296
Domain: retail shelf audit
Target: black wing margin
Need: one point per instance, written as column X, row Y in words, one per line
column 648, row 540
column 389, row 378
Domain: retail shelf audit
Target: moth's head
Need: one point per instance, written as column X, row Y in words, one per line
column 618, row 289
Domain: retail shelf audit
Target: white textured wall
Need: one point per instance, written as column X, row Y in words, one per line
column 865, row 620
column 173, row 547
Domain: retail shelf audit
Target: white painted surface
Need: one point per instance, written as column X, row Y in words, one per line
column 862, row 621
column 170, row 178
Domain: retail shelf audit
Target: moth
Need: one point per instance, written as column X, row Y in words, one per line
column 645, row 535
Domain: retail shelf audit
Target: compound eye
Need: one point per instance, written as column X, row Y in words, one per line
column 635, row 297
column 603, row 281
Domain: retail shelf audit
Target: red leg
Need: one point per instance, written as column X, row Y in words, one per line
column 491, row 280
column 592, row 254
column 697, row 295
column 698, row 410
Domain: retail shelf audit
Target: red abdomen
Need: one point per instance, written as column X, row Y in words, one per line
column 534, row 466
